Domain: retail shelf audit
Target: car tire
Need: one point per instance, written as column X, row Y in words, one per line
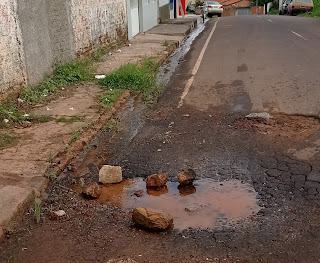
column 219, row 15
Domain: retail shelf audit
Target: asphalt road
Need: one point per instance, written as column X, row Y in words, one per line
column 251, row 64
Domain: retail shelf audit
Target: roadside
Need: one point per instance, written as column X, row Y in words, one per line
column 42, row 149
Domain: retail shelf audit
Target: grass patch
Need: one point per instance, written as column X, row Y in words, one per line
column 6, row 139
column 10, row 113
column 51, row 175
column 109, row 97
column 315, row 12
column 138, row 78
column 40, row 119
column 70, row 120
column 67, row 74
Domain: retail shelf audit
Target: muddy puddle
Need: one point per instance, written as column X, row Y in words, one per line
column 287, row 126
column 205, row 205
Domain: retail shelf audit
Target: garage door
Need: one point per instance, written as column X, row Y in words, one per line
column 243, row 11
column 135, row 27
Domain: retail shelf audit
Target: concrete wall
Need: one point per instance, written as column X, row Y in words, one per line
column 37, row 34
column 96, row 22
column 164, row 13
column 47, row 36
column 12, row 66
column 148, row 13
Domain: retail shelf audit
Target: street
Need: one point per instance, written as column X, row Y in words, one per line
column 251, row 64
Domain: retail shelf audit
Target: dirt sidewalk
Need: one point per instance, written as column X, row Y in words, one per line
column 47, row 148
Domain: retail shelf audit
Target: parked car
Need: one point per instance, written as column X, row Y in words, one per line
column 284, row 7
column 191, row 8
column 213, row 8
column 296, row 6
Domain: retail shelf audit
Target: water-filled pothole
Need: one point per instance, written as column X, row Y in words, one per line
column 206, row 204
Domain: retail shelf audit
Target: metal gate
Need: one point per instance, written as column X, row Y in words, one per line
column 243, row 11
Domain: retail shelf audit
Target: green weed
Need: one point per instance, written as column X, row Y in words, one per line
column 75, row 136
column 64, row 75
column 112, row 126
column 51, row 175
column 109, row 97
column 138, row 78
column 72, row 119
column 40, row 119
column 6, row 139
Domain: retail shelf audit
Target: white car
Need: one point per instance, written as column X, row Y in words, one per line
column 213, row 8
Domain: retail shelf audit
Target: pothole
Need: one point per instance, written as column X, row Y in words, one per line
column 205, row 205
column 290, row 126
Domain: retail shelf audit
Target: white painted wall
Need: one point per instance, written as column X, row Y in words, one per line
column 163, row 2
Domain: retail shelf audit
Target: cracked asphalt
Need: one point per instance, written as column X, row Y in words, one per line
column 250, row 65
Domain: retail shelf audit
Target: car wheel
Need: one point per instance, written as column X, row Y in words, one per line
column 219, row 15
column 280, row 13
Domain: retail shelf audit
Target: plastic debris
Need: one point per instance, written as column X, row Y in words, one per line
column 71, row 108
column 100, row 76
column 26, row 115
column 48, row 108
column 119, row 50
column 261, row 115
column 20, row 100
column 6, row 120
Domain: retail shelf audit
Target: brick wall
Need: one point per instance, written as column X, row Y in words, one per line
column 96, row 22
column 12, row 67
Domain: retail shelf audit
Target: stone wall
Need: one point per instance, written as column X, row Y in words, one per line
column 37, row 34
column 12, row 66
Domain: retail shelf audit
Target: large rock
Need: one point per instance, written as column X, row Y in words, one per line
column 92, row 190
column 110, row 174
column 157, row 180
column 186, row 177
column 152, row 219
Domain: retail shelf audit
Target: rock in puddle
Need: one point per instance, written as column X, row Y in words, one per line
column 157, row 180
column 138, row 193
column 92, row 190
column 195, row 207
column 110, row 174
column 186, row 177
column 152, row 219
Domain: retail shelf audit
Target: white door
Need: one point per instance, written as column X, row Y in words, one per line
column 134, row 17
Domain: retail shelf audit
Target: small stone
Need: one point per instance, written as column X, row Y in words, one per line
column 152, row 219
column 93, row 190
column 186, row 177
column 157, row 180
column 57, row 214
column 138, row 193
column 110, row 174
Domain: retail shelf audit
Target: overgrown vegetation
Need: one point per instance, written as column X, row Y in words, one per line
column 138, row 78
column 6, row 139
column 315, row 12
column 273, row 11
column 75, row 135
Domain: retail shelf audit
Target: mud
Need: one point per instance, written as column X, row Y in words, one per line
column 294, row 127
column 205, row 205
